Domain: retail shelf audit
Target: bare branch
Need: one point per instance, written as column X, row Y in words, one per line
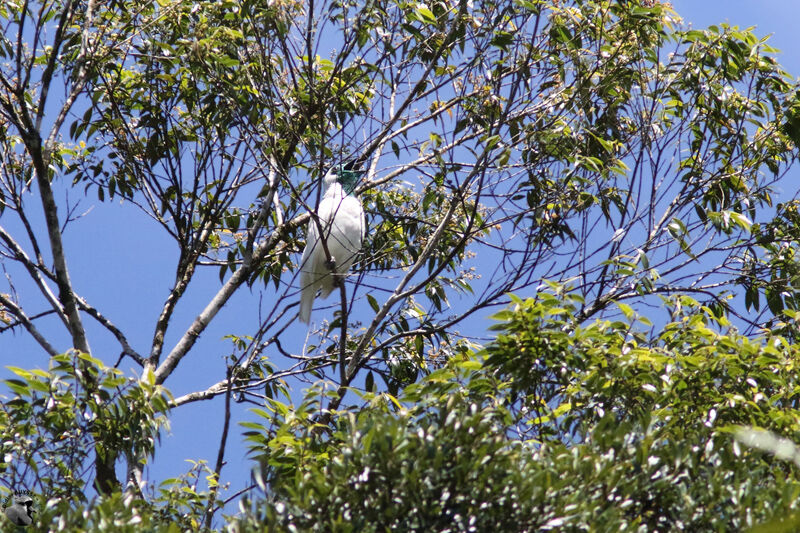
column 17, row 312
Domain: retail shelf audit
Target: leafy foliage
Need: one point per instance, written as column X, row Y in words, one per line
column 638, row 436
column 595, row 154
column 53, row 421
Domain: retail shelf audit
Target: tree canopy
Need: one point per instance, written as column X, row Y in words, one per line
column 619, row 173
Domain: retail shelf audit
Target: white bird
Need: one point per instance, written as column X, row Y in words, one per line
column 21, row 512
column 342, row 220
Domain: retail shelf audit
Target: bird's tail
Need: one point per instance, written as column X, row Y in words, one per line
column 306, row 302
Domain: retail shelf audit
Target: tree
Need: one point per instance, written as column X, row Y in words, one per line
column 595, row 144
column 610, row 429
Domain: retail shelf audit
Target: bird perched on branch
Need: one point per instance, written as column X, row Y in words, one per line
column 329, row 255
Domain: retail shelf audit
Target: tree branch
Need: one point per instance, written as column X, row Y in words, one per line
column 15, row 310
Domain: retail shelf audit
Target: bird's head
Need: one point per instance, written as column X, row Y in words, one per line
column 346, row 175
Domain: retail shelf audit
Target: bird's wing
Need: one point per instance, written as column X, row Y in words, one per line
column 344, row 237
column 308, row 282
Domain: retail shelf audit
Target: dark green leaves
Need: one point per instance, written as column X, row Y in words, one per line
column 560, row 424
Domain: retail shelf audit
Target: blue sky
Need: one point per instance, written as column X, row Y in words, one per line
column 104, row 250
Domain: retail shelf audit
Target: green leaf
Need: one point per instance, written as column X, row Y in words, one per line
column 373, row 303
column 626, row 309
column 425, row 15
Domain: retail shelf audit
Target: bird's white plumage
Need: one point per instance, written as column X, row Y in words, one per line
column 342, row 220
